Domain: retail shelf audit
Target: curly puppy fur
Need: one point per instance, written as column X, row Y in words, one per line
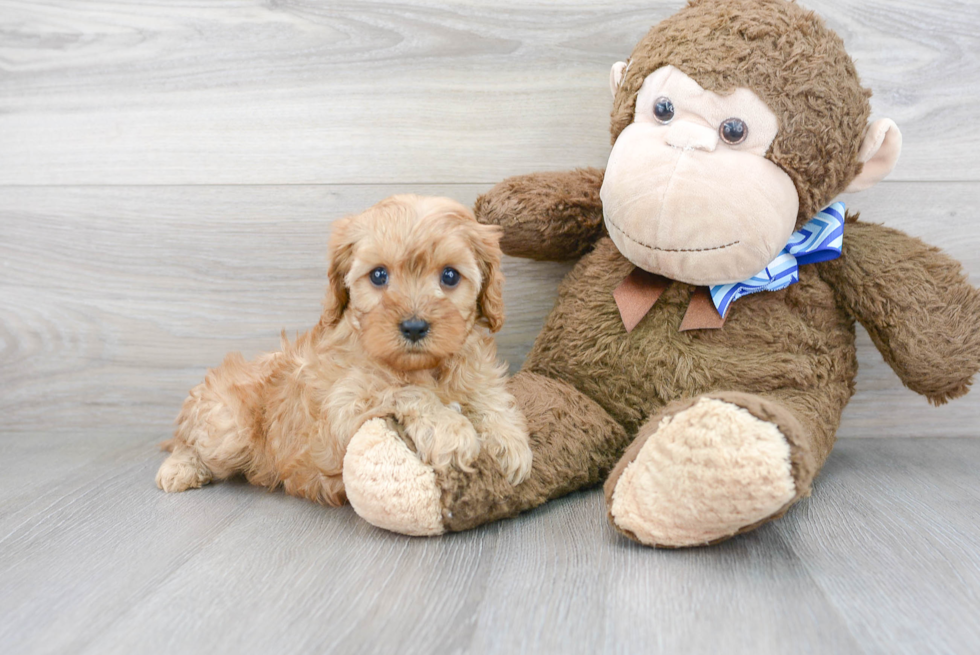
column 287, row 417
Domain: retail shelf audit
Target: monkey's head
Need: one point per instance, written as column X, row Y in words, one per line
column 734, row 122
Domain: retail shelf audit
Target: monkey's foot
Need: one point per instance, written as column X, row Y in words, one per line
column 388, row 485
column 701, row 475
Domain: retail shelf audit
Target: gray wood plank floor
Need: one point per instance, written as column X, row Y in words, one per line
column 883, row 558
column 168, row 176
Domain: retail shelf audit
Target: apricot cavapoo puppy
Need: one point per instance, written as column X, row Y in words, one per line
column 411, row 282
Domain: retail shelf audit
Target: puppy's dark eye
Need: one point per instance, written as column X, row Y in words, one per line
column 733, row 131
column 663, row 110
column 379, row 276
column 450, row 277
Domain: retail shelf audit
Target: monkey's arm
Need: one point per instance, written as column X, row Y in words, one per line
column 917, row 305
column 553, row 216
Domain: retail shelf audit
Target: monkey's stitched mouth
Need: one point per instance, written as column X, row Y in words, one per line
column 649, row 247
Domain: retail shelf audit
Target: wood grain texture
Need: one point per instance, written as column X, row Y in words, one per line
column 113, row 300
column 168, row 175
column 883, row 558
column 915, row 525
column 249, row 92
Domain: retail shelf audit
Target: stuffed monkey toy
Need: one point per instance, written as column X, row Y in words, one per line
column 702, row 349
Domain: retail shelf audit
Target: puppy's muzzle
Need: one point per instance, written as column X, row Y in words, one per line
column 414, row 329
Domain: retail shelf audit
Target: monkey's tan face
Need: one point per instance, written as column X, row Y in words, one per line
column 688, row 192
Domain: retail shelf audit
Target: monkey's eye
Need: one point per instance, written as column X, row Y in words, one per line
column 379, row 276
column 450, row 277
column 733, row 131
column 663, row 110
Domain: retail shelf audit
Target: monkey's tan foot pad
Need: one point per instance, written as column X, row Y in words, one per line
column 705, row 474
column 388, row 485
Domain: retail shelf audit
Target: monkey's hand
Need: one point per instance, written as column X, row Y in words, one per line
column 916, row 304
column 554, row 216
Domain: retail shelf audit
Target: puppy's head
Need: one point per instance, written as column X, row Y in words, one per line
column 414, row 275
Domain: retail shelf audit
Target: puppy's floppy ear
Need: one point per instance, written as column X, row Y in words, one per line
column 341, row 255
column 486, row 245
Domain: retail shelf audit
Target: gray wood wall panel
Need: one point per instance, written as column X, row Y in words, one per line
column 115, row 299
column 210, row 92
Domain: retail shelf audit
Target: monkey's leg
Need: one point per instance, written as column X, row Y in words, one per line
column 708, row 468
column 574, row 443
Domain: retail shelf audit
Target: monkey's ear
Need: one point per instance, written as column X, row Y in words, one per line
column 879, row 153
column 616, row 76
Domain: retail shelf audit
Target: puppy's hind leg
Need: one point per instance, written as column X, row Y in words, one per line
column 183, row 470
column 216, row 428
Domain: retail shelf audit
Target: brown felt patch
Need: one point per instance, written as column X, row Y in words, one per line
column 701, row 313
column 636, row 294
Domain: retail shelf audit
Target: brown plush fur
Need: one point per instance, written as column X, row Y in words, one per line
column 631, row 378
column 791, row 60
column 788, row 357
column 916, row 304
column 575, row 444
column 793, row 350
column 286, row 418
column 570, row 226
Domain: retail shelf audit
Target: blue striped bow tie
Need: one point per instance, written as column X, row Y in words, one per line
column 819, row 240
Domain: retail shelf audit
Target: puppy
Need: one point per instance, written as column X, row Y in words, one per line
column 412, row 283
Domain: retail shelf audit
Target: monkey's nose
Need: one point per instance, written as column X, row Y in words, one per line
column 414, row 329
column 691, row 136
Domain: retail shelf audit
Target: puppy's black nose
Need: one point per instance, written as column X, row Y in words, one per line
column 414, row 329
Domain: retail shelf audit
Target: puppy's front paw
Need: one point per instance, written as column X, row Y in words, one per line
column 444, row 438
column 509, row 446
